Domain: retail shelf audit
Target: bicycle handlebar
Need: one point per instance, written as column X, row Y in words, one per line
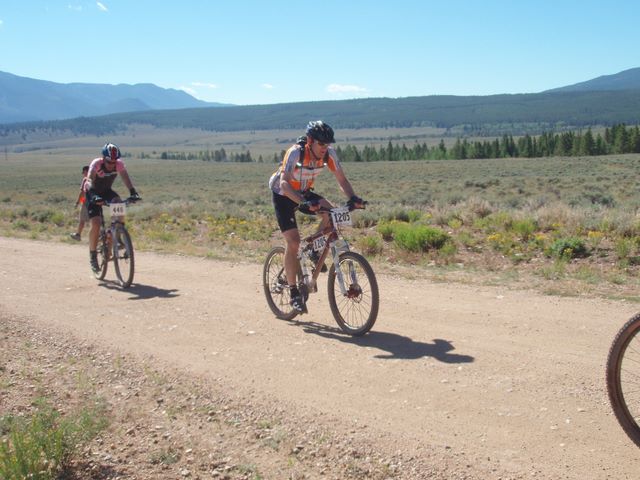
column 126, row 201
column 349, row 205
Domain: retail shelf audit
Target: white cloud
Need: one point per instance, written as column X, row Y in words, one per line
column 77, row 8
column 102, row 7
column 1, row 23
column 337, row 88
column 206, row 85
column 268, row 86
column 189, row 90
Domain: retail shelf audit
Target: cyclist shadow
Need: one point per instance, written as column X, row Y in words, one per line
column 397, row 346
column 141, row 291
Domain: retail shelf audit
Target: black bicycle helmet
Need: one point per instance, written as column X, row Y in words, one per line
column 320, row 131
column 111, row 151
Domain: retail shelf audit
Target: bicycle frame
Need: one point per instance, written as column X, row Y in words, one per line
column 115, row 244
column 352, row 287
column 333, row 243
column 116, row 218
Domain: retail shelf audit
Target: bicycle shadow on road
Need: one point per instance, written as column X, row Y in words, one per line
column 140, row 291
column 397, row 346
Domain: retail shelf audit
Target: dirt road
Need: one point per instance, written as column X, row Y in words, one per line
column 510, row 383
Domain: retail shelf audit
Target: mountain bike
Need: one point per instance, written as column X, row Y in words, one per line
column 114, row 244
column 352, row 286
column 623, row 377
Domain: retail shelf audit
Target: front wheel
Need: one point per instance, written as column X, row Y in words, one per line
column 103, row 256
column 356, row 310
column 123, row 260
column 623, row 378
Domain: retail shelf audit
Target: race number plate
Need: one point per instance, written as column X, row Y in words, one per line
column 318, row 244
column 118, row 209
column 341, row 217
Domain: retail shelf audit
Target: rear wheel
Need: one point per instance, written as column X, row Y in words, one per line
column 357, row 310
column 623, row 378
column 103, row 256
column 123, row 260
column 276, row 288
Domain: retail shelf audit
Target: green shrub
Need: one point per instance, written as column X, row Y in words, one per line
column 21, row 225
column 414, row 215
column 43, row 217
column 40, row 447
column 623, row 248
column 403, row 215
column 370, row 245
column 448, row 250
column 58, row 219
column 568, row 248
column 418, row 238
column 56, row 198
column 524, row 228
column 386, row 230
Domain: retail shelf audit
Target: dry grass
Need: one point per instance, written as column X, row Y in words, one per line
column 503, row 216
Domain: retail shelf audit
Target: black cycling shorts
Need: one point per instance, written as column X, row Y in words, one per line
column 286, row 209
column 96, row 210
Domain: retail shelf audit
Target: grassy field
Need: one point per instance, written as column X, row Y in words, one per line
column 566, row 225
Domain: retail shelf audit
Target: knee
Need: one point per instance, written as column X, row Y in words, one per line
column 293, row 243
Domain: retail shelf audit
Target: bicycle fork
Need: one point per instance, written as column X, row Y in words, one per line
column 338, row 247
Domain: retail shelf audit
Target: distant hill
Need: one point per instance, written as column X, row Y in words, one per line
column 483, row 115
column 600, row 104
column 25, row 99
column 625, row 80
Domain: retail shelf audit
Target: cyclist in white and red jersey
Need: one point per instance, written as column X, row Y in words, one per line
column 102, row 173
column 291, row 187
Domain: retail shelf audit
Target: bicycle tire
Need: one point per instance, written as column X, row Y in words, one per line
column 123, row 257
column 623, row 378
column 356, row 312
column 274, row 282
column 103, row 257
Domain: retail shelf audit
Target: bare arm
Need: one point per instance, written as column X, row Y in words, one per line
column 288, row 190
column 344, row 183
column 90, row 179
column 126, row 180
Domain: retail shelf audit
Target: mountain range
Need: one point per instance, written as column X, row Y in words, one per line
column 625, row 80
column 99, row 108
column 24, row 99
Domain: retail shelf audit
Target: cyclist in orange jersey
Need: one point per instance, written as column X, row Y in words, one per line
column 83, row 216
column 292, row 186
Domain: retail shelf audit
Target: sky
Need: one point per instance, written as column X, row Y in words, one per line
column 249, row 52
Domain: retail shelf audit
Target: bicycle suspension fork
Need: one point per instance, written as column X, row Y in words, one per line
column 338, row 247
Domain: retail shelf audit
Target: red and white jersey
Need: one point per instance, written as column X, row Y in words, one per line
column 103, row 178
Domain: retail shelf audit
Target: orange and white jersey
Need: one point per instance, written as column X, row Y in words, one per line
column 298, row 161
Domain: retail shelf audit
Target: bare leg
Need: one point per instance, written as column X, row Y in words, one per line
column 324, row 222
column 292, row 239
column 94, row 233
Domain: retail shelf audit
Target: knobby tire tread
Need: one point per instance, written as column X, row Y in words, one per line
column 375, row 297
column 615, row 389
column 124, row 273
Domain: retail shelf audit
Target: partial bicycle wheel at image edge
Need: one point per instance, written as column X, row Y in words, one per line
column 623, row 378
column 123, row 258
column 357, row 310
